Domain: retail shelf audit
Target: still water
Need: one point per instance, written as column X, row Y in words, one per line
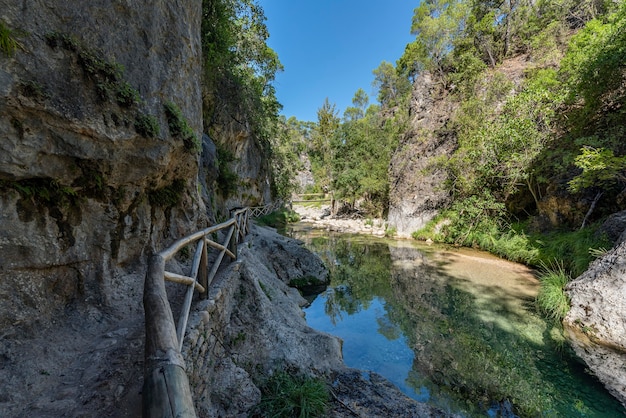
column 452, row 327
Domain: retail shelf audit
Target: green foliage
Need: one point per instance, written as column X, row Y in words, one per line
column 501, row 136
column 361, row 152
column 8, row 43
column 320, row 149
column 107, row 75
column 572, row 249
column 600, row 168
column 239, row 69
column 279, row 219
column 594, row 64
column 552, row 299
column 167, row 196
column 46, row 191
column 147, row 125
column 126, row 95
column 179, row 127
column 286, row 395
column 287, row 146
column 391, row 86
column 470, row 221
column 436, row 24
column 227, row 179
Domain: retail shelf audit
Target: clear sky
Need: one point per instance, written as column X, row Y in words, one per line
column 329, row 48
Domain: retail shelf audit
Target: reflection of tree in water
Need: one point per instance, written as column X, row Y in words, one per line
column 359, row 273
column 466, row 363
column 457, row 355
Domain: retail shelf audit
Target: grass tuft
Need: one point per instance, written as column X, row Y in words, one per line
column 552, row 299
column 285, row 395
column 8, row 44
column 179, row 127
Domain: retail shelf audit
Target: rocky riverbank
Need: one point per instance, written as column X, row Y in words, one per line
column 253, row 326
column 321, row 218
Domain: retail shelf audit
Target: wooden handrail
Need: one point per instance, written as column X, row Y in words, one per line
column 166, row 385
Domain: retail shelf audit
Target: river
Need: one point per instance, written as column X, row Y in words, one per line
column 456, row 328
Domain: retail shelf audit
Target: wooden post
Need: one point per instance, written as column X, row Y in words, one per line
column 232, row 244
column 166, row 393
column 203, row 272
column 166, row 390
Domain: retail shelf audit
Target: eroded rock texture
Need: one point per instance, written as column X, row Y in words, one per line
column 415, row 192
column 91, row 178
column 596, row 322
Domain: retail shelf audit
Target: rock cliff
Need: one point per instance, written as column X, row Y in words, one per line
column 92, row 173
column 100, row 120
column 595, row 323
column 415, row 195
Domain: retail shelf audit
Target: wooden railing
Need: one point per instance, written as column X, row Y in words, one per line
column 166, row 390
column 312, row 198
column 258, row 211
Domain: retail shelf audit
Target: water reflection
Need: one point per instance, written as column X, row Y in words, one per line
column 454, row 328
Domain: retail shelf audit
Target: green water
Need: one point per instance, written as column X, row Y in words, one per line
column 454, row 328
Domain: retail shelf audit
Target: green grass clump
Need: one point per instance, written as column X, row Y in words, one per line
column 574, row 249
column 8, row 44
column 167, row 196
column 147, row 126
column 552, row 299
column 107, row 75
column 179, row 127
column 45, row 191
column 279, row 218
column 285, row 395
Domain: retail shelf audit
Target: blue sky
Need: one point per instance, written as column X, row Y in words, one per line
column 329, row 48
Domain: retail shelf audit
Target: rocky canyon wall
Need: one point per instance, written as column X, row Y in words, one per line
column 94, row 173
column 415, row 194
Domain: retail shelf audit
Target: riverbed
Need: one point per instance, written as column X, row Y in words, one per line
column 456, row 328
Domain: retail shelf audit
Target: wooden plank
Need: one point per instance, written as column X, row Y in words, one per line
column 161, row 341
column 186, row 280
column 204, row 271
column 184, row 313
column 220, row 247
column 217, row 262
column 176, row 246
column 166, row 387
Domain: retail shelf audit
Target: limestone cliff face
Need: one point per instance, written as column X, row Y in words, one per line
column 415, row 194
column 595, row 323
column 250, row 179
column 91, row 176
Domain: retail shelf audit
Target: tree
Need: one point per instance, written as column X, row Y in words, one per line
column 287, row 147
column 437, row 24
column 321, row 137
column 390, row 85
column 359, row 104
column 601, row 169
column 239, row 67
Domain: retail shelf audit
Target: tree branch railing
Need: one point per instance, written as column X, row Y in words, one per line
column 166, row 385
column 258, row 211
